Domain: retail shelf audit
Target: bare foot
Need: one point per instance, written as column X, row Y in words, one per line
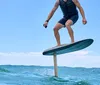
column 72, row 42
column 58, row 45
column 61, row 44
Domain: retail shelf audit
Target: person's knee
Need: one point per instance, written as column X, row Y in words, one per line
column 68, row 23
column 56, row 29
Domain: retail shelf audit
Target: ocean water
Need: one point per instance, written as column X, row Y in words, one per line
column 43, row 75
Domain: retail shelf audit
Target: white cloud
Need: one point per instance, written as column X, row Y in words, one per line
column 20, row 54
column 23, row 58
column 75, row 59
column 80, row 59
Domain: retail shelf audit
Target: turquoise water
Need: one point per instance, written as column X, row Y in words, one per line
column 39, row 75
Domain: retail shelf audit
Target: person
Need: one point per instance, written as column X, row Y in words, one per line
column 70, row 16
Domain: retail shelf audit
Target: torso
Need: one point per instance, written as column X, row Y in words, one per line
column 65, row 0
column 68, row 7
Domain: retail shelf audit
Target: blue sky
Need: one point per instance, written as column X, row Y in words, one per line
column 22, row 31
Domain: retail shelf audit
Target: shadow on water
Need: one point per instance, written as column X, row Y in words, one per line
column 82, row 83
column 62, row 81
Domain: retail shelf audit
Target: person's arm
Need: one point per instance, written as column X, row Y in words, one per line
column 81, row 11
column 51, row 13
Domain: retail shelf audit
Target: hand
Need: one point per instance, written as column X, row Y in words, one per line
column 45, row 24
column 84, row 21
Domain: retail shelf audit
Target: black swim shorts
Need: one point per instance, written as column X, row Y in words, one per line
column 74, row 18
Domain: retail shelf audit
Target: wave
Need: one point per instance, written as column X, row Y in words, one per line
column 4, row 70
column 43, row 75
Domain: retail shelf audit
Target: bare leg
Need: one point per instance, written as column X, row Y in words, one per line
column 56, row 33
column 70, row 31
